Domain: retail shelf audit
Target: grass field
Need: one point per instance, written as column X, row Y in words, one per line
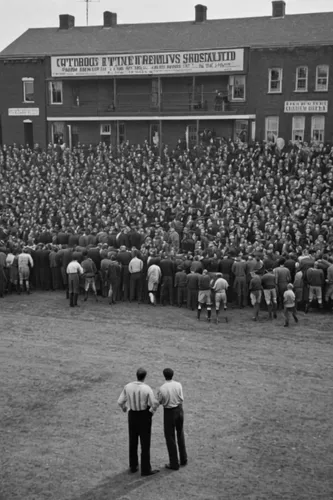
column 258, row 402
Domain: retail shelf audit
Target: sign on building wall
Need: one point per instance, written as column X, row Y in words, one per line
column 306, row 106
column 198, row 61
column 23, row 111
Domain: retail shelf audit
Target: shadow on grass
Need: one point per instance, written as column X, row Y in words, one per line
column 117, row 487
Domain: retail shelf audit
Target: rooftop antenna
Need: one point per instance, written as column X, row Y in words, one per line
column 87, row 2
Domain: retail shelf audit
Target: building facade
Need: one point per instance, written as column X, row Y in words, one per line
column 257, row 78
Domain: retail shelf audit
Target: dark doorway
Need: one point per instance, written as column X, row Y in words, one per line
column 0, row 132
column 29, row 134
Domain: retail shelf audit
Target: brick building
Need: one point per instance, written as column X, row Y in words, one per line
column 263, row 78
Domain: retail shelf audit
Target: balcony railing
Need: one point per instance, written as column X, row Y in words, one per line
column 175, row 103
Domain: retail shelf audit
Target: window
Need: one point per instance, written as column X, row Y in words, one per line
column 105, row 129
column 322, row 78
column 298, row 128
column 75, row 135
column 191, row 136
column 237, row 85
column 272, row 128
column 301, row 79
column 275, row 80
column 28, row 89
column 55, row 90
column 318, row 128
column 122, row 133
column 154, row 134
column 241, row 130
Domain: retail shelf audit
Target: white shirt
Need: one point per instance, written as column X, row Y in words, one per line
column 74, row 267
column 170, row 394
column 24, row 259
column 10, row 259
column 137, row 396
column 220, row 285
column 135, row 266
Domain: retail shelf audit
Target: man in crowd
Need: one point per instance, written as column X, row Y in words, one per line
column 220, row 288
column 269, row 287
column 25, row 263
column 255, row 289
column 204, row 294
column 74, row 270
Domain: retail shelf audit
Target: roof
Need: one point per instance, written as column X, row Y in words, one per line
column 291, row 30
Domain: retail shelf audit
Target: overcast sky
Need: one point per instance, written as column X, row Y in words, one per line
column 19, row 15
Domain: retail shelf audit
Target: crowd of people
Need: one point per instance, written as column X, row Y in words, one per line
column 222, row 207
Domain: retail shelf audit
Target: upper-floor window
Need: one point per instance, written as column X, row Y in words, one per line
column 301, row 79
column 28, row 90
column 237, row 84
column 322, row 73
column 55, row 92
column 275, row 80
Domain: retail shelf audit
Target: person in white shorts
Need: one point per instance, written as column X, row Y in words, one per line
column 220, row 288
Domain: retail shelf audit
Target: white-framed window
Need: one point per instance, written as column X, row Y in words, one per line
column 301, row 79
column 318, row 128
column 55, row 92
column 271, row 128
column 28, row 89
column 241, row 130
column 275, row 80
column 298, row 128
column 322, row 73
column 105, row 129
column 191, row 135
column 237, row 84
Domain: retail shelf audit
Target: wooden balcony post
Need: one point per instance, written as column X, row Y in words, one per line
column 117, row 128
column 159, row 100
column 114, row 93
column 160, row 139
column 193, row 93
column 197, row 134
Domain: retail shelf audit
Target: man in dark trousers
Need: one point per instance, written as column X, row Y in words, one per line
column 170, row 395
column 124, row 258
column 167, row 267
column 138, row 398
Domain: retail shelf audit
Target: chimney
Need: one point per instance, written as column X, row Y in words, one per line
column 200, row 13
column 110, row 19
column 66, row 21
column 279, row 8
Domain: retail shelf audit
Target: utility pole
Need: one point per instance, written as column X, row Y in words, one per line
column 87, row 2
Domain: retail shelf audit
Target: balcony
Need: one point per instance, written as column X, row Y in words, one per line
column 169, row 103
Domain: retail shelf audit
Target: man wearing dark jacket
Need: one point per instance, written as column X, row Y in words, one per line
column 167, row 267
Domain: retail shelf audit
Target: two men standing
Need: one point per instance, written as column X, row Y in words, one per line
column 138, row 398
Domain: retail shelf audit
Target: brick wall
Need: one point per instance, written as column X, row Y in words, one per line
column 11, row 96
column 264, row 104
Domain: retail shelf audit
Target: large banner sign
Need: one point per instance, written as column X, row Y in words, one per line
column 306, row 106
column 162, row 63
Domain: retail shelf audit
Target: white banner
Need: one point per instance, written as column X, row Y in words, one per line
column 161, row 63
column 23, row 111
column 306, row 106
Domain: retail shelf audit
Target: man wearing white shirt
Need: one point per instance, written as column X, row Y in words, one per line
column 74, row 269
column 25, row 263
column 170, row 395
column 135, row 269
column 138, row 398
